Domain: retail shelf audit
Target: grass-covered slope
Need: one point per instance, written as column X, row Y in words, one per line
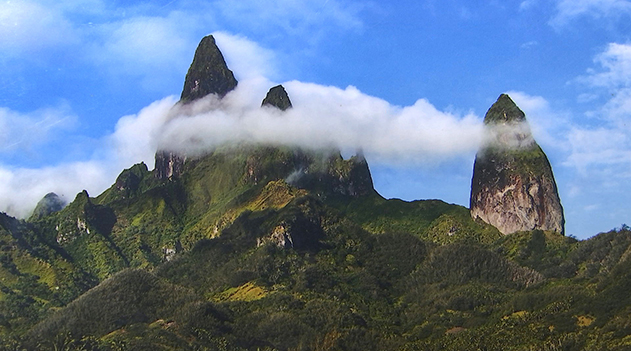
column 353, row 290
column 278, row 249
column 36, row 276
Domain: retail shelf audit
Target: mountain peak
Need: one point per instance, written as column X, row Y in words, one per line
column 208, row 74
column 277, row 97
column 513, row 187
column 50, row 203
column 504, row 110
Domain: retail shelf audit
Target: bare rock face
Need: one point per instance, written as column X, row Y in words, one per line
column 513, row 187
column 169, row 165
column 208, row 74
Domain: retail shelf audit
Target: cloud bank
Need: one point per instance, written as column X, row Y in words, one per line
column 322, row 117
column 132, row 141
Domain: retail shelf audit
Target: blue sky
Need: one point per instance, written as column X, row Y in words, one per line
column 85, row 87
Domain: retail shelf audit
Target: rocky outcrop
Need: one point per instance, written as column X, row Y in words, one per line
column 83, row 217
column 208, row 74
column 277, row 97
column 339, row 177
column 169, row 165
column 325, row 171
column 513, row 187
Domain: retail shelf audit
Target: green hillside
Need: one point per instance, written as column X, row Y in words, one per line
column 267, row 247
column 218, row 260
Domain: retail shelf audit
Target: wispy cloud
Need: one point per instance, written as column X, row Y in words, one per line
column 21, row 132
column 246, row 59
column 27, row 26
column 148, row 41
column 306, row 19
column 568, row 10
column 132, row 141
column 527, row 4
column 614, row 69
column 607, row 148
column 150, row 47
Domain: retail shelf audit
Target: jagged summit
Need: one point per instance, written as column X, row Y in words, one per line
column 208, row 73
column 324, row 172
column 504, row 110
column 277, row 97
column 513, row 187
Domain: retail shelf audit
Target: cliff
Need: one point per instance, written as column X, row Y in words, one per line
column 513, row 187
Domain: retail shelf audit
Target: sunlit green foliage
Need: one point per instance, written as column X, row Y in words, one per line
column 236, row 256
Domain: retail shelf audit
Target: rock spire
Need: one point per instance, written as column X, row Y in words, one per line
column 277, row 97
column 208, row 74
column 513, row 187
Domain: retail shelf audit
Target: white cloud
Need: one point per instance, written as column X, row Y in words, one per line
column 323, row 117
column 133, row 141
column 605, row 151
column 135, row 137
column 615, row 67
column 568, row 10
column 547, row 124
column 246, row 58
column 27, row 26
column 22, row 188
column 23, row 131
column 304, row 18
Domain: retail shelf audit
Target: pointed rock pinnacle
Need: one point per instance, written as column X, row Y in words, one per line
column 208, row 73
column 513, row 187
column 504, row 110
column 277, row 97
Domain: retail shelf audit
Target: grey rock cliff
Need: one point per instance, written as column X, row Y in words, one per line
column 513, row 187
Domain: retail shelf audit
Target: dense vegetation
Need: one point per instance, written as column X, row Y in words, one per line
column 237, row 255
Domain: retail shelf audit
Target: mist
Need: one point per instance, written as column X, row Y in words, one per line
column 510, row 136
column 323, row 117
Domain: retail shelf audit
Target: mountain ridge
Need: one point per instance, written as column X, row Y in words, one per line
column 261, row 247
